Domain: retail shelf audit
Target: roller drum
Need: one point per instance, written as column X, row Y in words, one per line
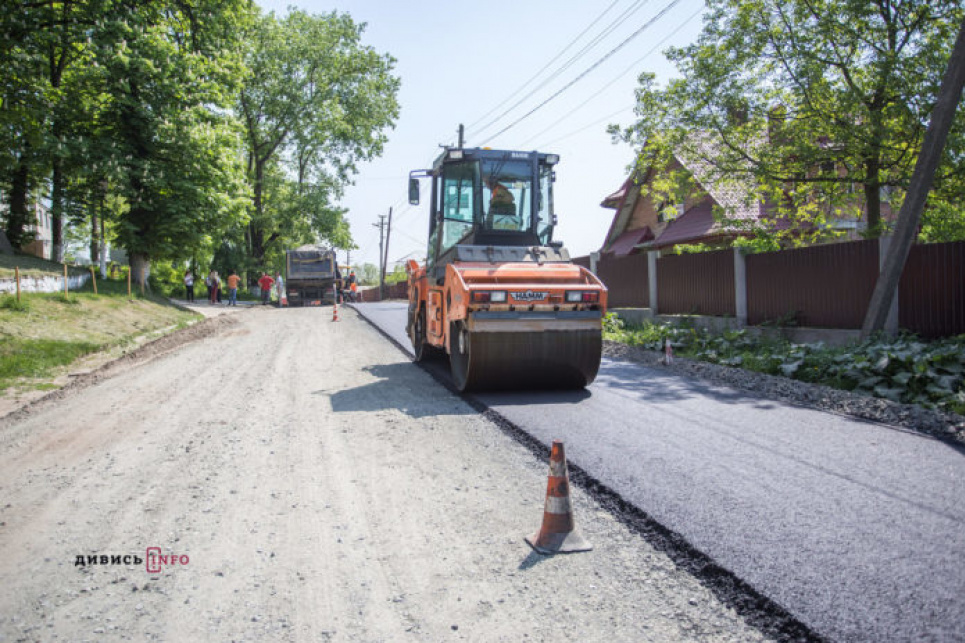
column 525, row 360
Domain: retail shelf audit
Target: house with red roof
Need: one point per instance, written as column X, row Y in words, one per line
column 715, row 212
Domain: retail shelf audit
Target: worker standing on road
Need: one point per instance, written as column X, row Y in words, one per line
column 189, row 286
column 353, row 286
column 265, row 284
column 280, row 289
column 233, row 280
column 213, row 295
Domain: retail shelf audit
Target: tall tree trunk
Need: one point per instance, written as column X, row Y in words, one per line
column 140, row 268
column 103, row 249
column 57, row 211
column 872, row 196
column 19, row 216
column 929, row 156
column 95, row 237
column 256, row 234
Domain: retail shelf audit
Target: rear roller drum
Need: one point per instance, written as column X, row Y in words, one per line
column 523, row 360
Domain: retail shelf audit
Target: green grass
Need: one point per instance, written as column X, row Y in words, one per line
column 44, row 333
column 37, row 357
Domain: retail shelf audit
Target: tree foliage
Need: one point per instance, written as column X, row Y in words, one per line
column 136, row 118
column 316, row 102
column 820, row 105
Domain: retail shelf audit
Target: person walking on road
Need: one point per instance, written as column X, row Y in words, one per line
column 233, row 280
column 265, row 284
column 189, row 286
column 215, row 286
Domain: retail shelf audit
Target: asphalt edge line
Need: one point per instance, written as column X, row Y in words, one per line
column 756, row 609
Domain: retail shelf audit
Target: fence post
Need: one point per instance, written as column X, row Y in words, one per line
column 652, row 277
column 16, row 271
column 740, row 288
column 891, row 324
column 65, row 280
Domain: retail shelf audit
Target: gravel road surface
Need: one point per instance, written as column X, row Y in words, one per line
column 314, row 485
column 855, row 528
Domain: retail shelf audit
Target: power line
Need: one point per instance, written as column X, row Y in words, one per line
column 610, row 28
column 599, row 62
column 619, row 77
column 543, row 68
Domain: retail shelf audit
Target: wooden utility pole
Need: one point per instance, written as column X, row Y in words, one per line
column 909, row 216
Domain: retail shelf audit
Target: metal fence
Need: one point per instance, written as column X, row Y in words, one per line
column 697, row 284
column 825, row 286
column 931, row 293
column 627, row 281
column 393, row 291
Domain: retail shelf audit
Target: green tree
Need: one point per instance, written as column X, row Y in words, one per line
column 23, row 109
column 367, row 273
column 171, row 71
column 806, row 100
column 316, row 102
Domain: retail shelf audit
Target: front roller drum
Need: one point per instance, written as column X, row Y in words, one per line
column 525, row 360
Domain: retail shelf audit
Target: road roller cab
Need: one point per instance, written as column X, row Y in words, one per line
column 497, row 293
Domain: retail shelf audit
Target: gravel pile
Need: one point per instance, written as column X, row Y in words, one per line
column 943, row 425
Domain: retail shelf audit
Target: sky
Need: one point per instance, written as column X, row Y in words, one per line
column 546, row 75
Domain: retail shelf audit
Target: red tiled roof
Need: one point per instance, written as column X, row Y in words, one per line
column 623, row 245
column 694, row 224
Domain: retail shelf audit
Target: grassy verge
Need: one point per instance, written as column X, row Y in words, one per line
column 902, row 369
column 43, row 334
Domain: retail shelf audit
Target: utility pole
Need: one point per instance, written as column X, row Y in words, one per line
column 942, row 117
column 462, row 131
column 381, row 226
column 385, row 259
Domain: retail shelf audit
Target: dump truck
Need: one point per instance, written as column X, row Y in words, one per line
column 497, row 294
column 311, row 276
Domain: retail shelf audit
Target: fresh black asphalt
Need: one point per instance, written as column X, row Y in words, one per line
column 856, row 529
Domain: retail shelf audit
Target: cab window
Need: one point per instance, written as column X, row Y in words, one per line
column 544, row 226
column 507, row 195
column 458, row 198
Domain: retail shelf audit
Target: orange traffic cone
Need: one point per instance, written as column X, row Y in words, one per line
column 559, row 533
column 335, row 312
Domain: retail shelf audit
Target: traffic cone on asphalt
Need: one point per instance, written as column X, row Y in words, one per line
column 335, row 312
column 559, row 533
